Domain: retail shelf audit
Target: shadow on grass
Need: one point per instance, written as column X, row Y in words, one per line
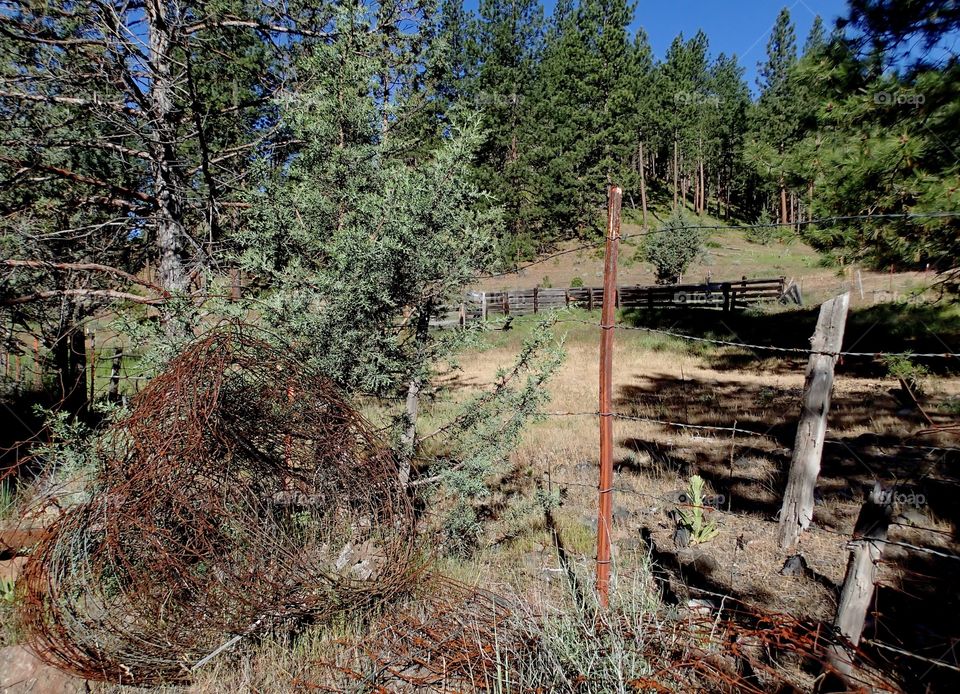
column 892, row 327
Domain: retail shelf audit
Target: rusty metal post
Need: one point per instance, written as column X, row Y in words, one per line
column 607, row 323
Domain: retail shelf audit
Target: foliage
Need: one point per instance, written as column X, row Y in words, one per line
column 691, row 514
column 581, row 647
column 672, row 248
column 905, row 369
column 483, row 432
column 576, row 282
column 7, row 594
column 7, row 497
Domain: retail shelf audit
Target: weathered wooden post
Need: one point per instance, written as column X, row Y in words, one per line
column 726, row 297
column 483, row 306
column 116, row 361
column 866, row 550
column 536, row 299
column 797, row 510
column 93, row 365
column 37, row 371
column 607, row 325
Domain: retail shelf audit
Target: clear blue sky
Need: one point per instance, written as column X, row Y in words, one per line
column 739, row 27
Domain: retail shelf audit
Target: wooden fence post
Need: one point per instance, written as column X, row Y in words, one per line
column 866, row 550
column 536, row 299
column 607, row 325
column 797, row 510
column 116, row 361
column 463, row 315
column 37, row 371
column 483, row 306
column 93, row 366
column 590, row 300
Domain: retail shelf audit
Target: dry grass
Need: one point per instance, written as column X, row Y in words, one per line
column 729, row 256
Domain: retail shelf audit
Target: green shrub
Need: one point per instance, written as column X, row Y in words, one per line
column 911, row 375
column 672, row 248
column 576, row 282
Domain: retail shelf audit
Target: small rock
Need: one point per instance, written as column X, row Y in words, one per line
column 795, row 566
column 21, row 672
column 15, row 540
column 681, row 536
column 622, row 515
column 11, row 568
column 912, row 516
column 704, row 564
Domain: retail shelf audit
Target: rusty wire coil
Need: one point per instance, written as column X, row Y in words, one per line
column 240, row 495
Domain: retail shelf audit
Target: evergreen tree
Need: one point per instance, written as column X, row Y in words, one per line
column 777, row 115
column 507, row 37
column 361, row 246
column 583, row 114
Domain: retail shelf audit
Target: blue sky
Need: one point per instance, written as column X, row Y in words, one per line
column 733, row 26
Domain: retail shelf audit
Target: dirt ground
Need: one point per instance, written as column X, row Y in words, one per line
column 871, row 437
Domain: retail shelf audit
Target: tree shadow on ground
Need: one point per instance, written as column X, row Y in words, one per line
column 750, row 471
column 882, row 328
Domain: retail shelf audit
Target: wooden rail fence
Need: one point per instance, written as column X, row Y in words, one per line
column 727, row 296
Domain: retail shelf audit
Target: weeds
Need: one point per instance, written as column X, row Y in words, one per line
column 693, row 518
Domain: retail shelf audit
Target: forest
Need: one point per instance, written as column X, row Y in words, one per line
column 264, row 276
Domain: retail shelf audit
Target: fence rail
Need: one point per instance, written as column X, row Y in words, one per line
column 725, row 295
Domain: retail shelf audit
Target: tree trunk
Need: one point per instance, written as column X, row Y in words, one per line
column 703, row 189
column 784, row 216
column 170, row 231
column 676, row 164
column 70, row 362
column 643, row 186
column 797, row 510
column 408, row 437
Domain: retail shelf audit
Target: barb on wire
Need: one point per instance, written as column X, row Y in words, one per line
column 768, row 348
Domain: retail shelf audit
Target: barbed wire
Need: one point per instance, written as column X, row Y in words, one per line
column 769, row 348
column 729, row 227
column 741, row 430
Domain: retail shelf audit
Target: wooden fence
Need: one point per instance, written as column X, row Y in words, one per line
column 726, row 296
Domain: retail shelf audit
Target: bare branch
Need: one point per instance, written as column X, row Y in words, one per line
column 57, row 293
column 86, row 267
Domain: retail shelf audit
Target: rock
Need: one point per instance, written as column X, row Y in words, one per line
column 21, row 672
column 795, row 566
column 681, row 536
column 704, row 564
column 14, row 541
column 11, row 568
column 621, row 515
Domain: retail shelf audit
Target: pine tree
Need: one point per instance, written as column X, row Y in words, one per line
column 776, row 125
column 582, row 114
column 507, row 36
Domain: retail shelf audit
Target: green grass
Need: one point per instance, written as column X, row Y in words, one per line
column 7, row 498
